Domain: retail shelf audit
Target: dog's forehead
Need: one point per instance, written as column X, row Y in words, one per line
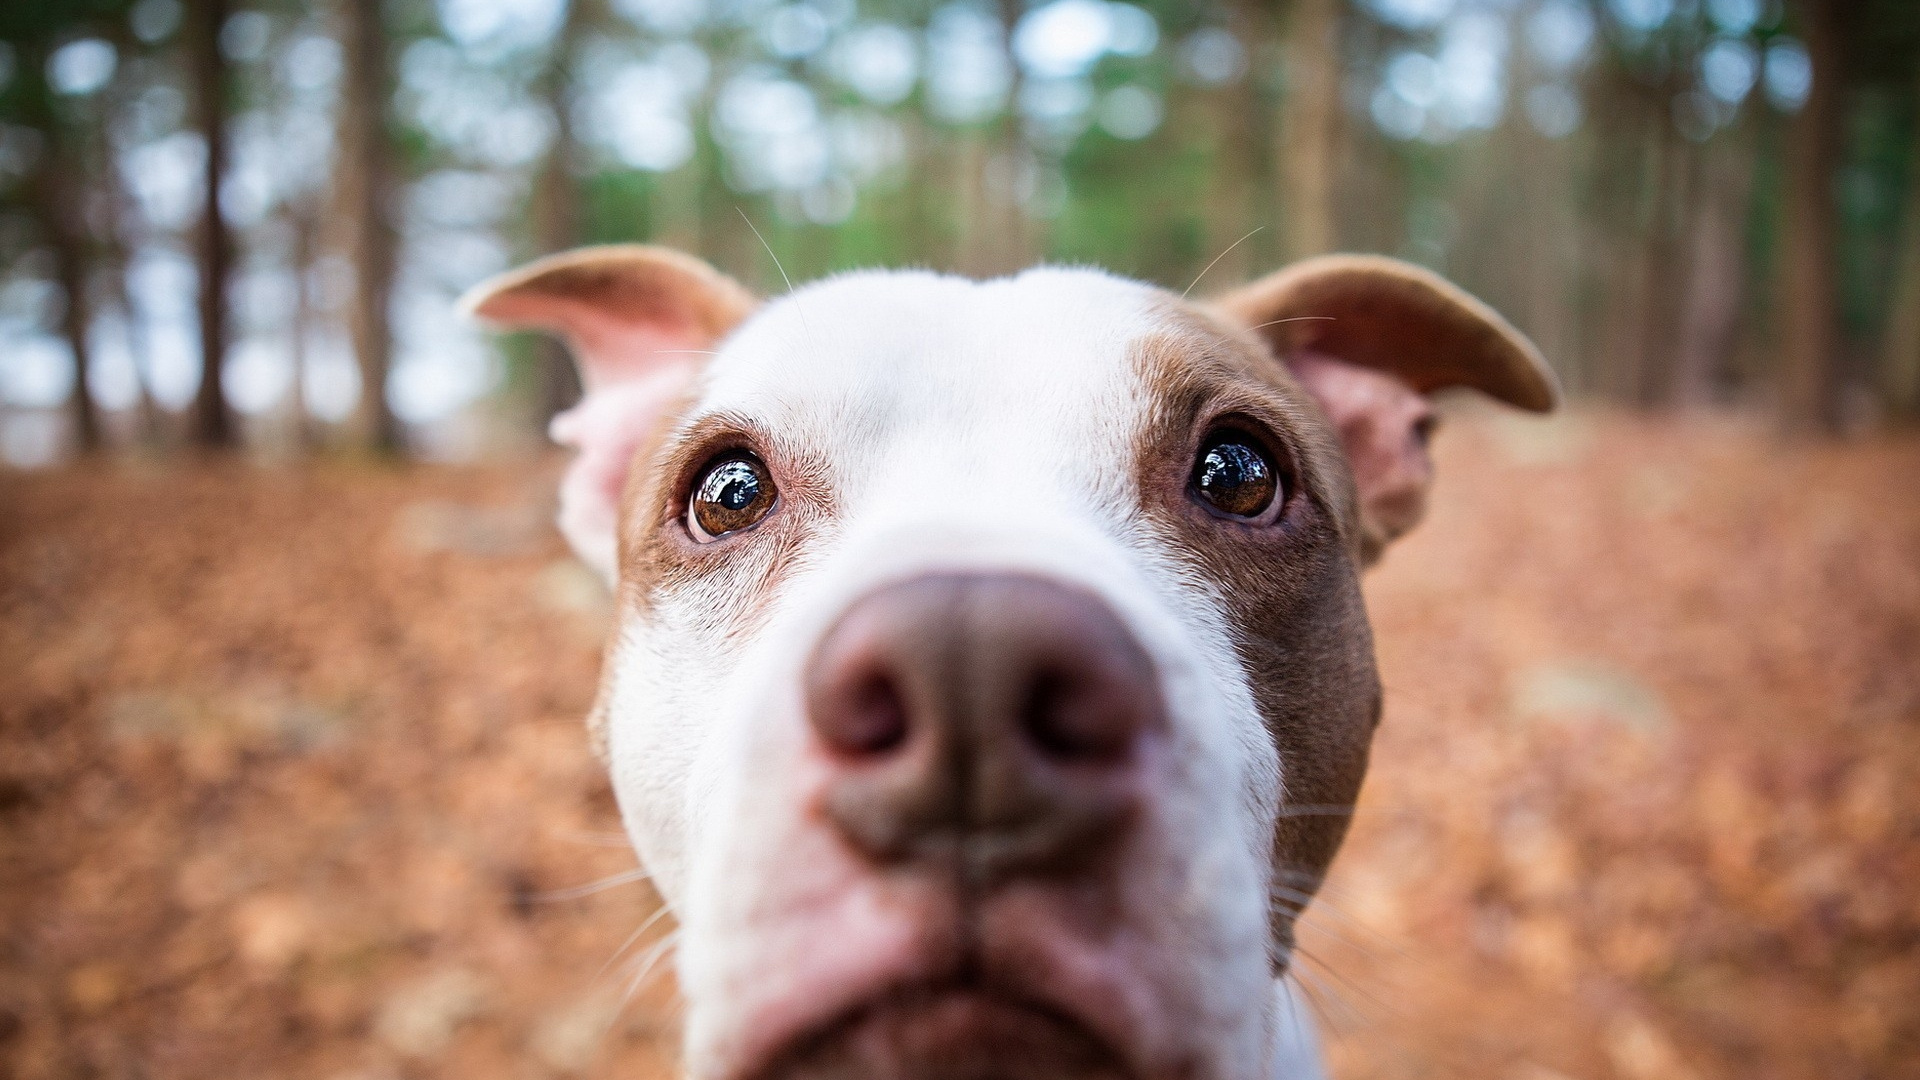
column 863, row 354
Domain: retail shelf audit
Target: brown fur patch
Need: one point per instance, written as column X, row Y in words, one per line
column 1291, row 587
column 658, row 556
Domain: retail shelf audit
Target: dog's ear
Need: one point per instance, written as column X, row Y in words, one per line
column 1369, row 337
column 639, row 321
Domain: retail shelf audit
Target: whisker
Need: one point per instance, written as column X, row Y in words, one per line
column 1358, row 936
column 1348, row 1021
column 1295, row 318
column 1300, row 912
column 1310, row 810
column 645, row 925
column 1319, row 999
column 685, row 352
column 1308, row 878
column 1341, row 1017
column 648, row 965
column 1297, row 902
column 1299, row 897
column 625, row 877
column 1300, row 901
column 1385, row 1027
column 1344, row 809
column 1216, row 260
column 1308, row 989
column 1293, row 1002
column 1313, row 882
column 764, row 244
column 1351, row 1020
column 595, row 839
column 777, row 265
column 1348, row 984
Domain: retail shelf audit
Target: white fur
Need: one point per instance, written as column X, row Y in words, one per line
column 958, row 425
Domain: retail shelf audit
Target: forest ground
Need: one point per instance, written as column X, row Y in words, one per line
column 293, row 781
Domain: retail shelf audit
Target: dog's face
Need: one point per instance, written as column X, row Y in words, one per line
column 991, row 666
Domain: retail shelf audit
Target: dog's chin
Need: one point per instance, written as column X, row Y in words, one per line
column 949, row 1033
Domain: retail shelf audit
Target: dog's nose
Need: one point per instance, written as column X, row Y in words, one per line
column 1000, row 721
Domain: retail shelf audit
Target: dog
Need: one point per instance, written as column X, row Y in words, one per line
column 990, row 675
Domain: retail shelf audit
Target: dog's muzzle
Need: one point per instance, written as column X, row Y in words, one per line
column 990, row 737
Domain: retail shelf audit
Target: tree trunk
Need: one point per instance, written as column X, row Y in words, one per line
column 970, row 255
column 1809, row 377
column 71, row 267
column 61, row 209
column 1900, row 348
column 1310, row 127
column 122, row 237
column 1630, row 130
column 999, row 237
column 1716, row 272
column 212, row 419
column 305, row 227
column 1229, row 120
column 121, row 246
column 1675, row 180
column 1545, row 281
column 556, row 214
column 677, row 207
column 364, row 187
column 922, row 230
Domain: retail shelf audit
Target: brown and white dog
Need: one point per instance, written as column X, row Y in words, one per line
column 990, row 664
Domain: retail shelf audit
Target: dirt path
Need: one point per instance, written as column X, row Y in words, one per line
column 292, row 781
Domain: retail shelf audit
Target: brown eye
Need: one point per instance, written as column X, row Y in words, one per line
column 733, row 493
column 1234, row 476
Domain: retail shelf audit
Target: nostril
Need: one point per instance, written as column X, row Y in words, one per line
column 1073, row 723
column 868, row 720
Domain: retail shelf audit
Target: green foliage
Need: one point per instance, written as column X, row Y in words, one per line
column 617, row 205
column 1142, row 214
column 1872, row 180
column 1562, row 231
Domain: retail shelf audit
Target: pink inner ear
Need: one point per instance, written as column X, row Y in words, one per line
column 1383, row 425
column 607, row 428
column 614, row 354
column 611, row 347
column 639, row 321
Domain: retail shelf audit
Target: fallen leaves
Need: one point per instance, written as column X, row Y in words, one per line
column 291, row 767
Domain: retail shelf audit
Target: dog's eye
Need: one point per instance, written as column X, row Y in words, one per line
column 1235, row 476
column 734, row 492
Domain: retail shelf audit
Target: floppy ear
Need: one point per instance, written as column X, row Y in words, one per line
column 638, row 320
column 1369, row 337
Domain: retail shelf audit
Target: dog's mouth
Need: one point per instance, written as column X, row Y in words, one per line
column 949, row 1031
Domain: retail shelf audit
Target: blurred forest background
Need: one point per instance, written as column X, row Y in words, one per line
column 223, row 222
column 292, row 775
